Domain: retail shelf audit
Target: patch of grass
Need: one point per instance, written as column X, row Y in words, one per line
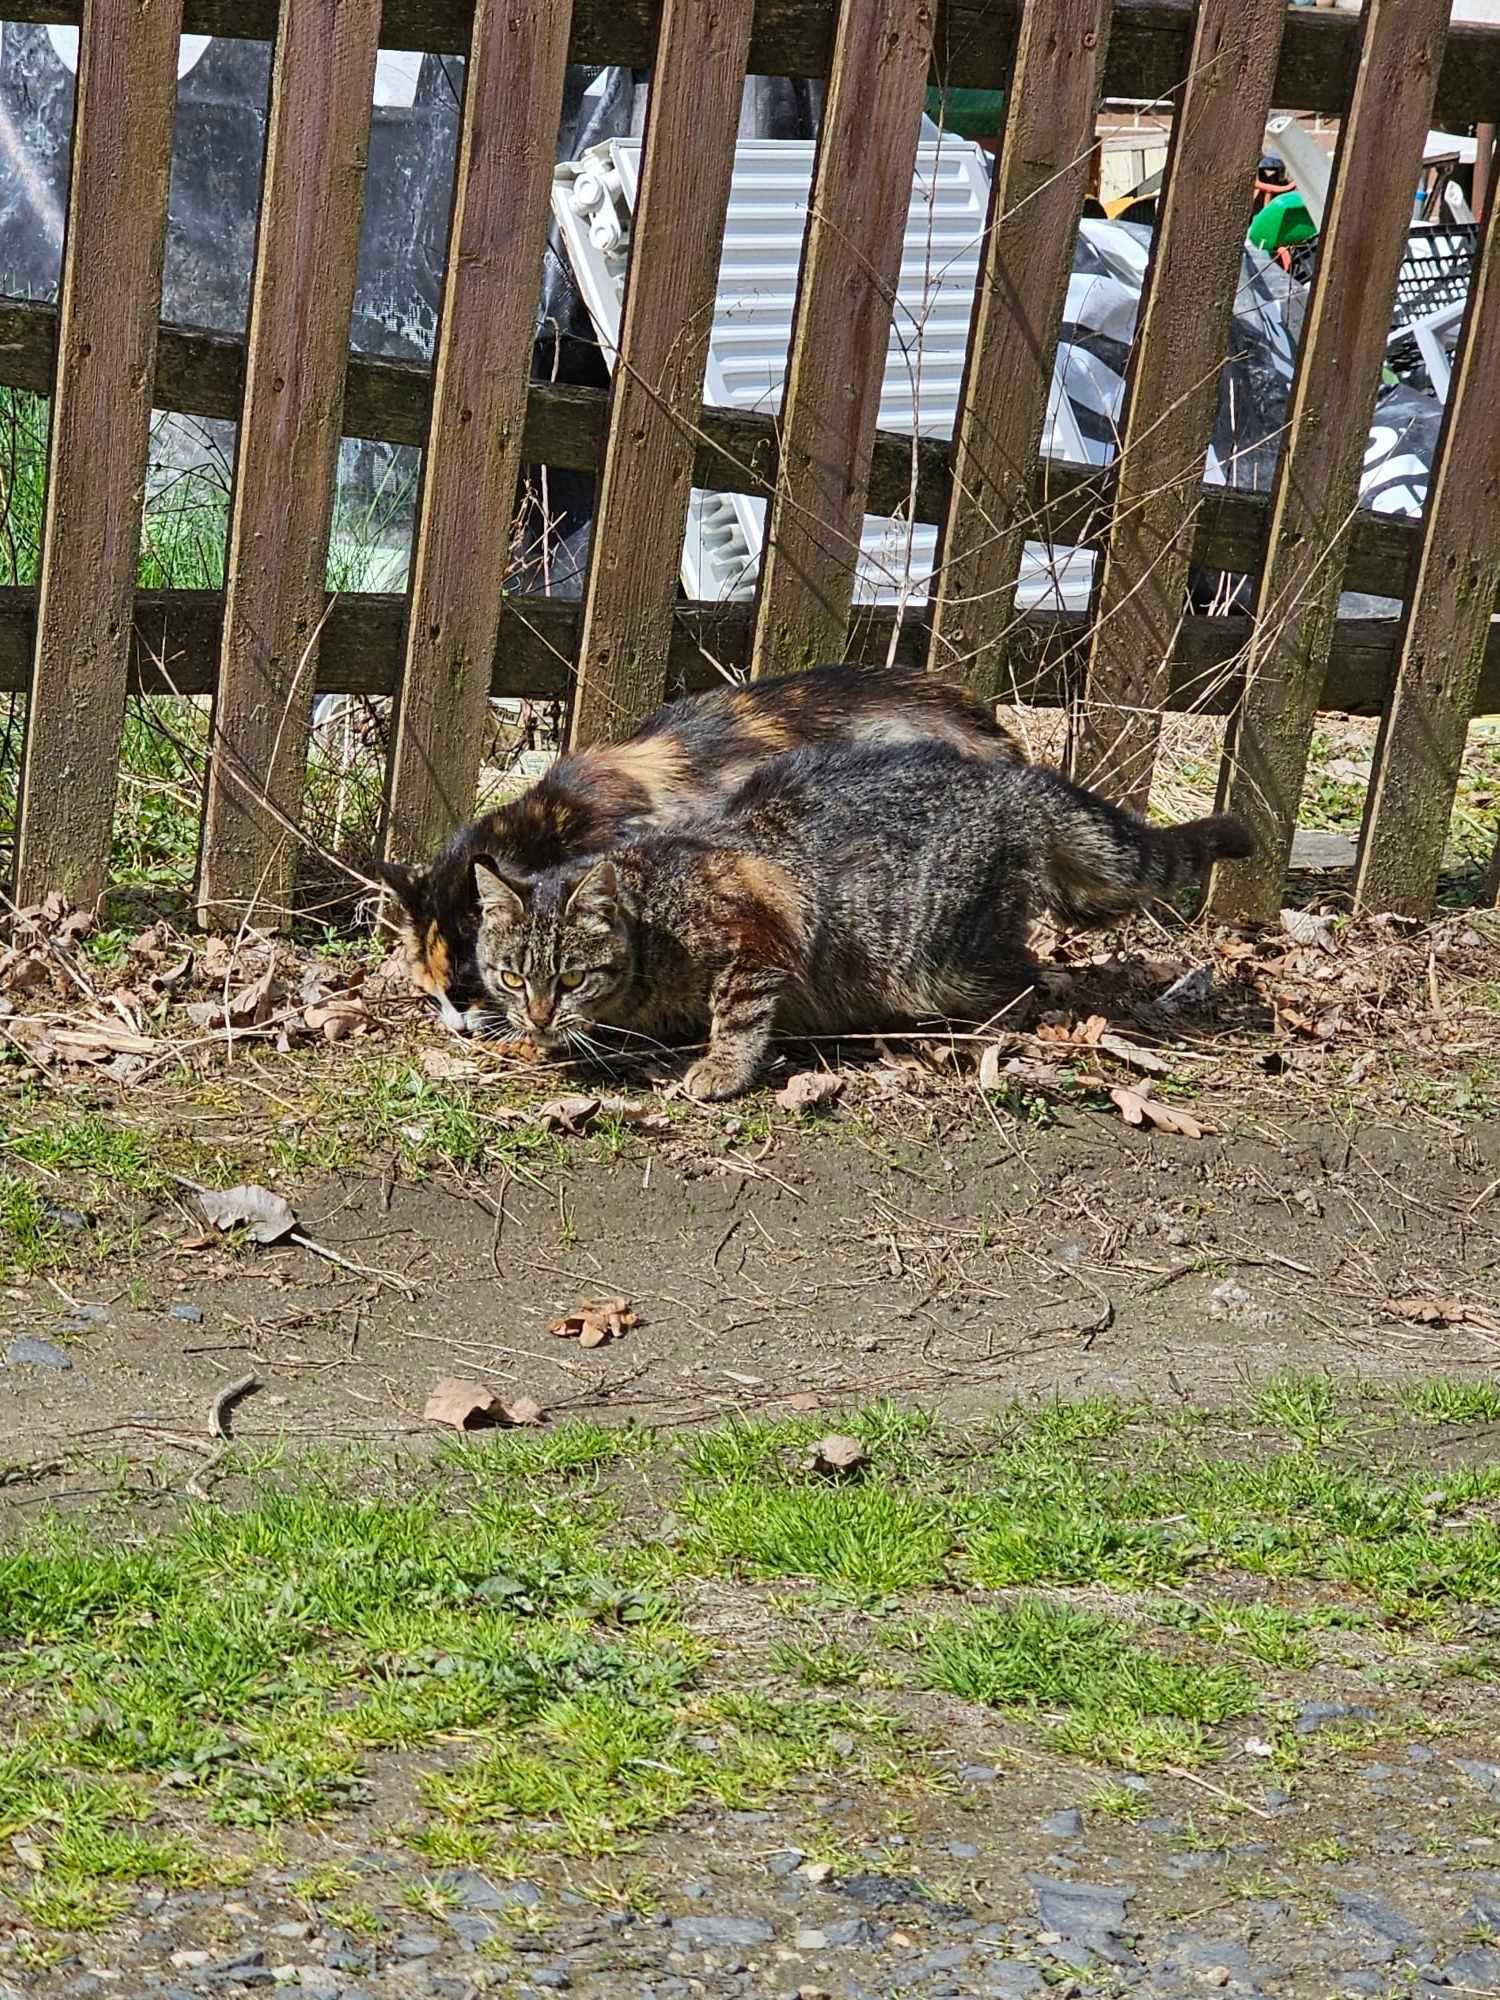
column 829, row 1663
column 1444, row 1400
column 254, row 1665
column 1269, row 1633
column 593, row 1771
column 121, row 1156
column 1120, row 1702
column 865, row 1537
column 30, row 1240
column 1162, row 1509
column 1301, row 1406
column 1118, row 1802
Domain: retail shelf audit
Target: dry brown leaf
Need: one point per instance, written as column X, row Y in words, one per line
column 268, row 1217
column 591, row 1325
column 808, row 1088
column 569, row 1114
column 1303, row 928
column 444, row 1067
column 461, row 1405
column 338, row 1017
column 1077, row 1034
column 836, row 1457
column 22, row 972
column 1294, row 1018
column 99, row 1044
column 989, row 1066
column 168, row 978
column 1136, row 1108
column 1131, row 1052
column 1033, row 1075
column 631, row 1111
column 218, row 958
column 1424, row 1311
column 251, row 1007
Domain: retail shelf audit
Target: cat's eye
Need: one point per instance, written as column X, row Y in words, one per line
column 513, row 980
column 570, row 981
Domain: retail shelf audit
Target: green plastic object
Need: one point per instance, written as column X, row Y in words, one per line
column 1283, row 221
column 969, row 114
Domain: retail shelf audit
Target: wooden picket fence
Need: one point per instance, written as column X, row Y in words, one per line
column 263, row 647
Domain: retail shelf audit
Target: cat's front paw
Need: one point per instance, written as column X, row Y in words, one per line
column 712, row 1079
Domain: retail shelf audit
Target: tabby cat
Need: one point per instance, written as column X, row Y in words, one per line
column 838, row 890
column 688, row 754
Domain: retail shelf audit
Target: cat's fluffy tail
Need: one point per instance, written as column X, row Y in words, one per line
column 1095, row 862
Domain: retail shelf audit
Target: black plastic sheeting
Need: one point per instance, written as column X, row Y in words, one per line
column 210, row 243
column 216, row 166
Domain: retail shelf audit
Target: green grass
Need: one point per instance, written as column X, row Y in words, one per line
column 184, row 537
column 1102, row 1692
column 89, row 1143
column 30, row 1240
column 517, row 1606
column 1445, row 1401
column 83, row 1160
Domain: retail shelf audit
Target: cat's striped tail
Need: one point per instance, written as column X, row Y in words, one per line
column 1095, row 862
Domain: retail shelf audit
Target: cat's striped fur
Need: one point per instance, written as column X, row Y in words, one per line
column 838, row 890
column 687, row 755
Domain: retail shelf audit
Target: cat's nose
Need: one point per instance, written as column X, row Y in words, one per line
column 539, row 1012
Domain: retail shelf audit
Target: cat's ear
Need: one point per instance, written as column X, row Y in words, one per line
column 596, row 894
column 407, row 885
column 501, row 894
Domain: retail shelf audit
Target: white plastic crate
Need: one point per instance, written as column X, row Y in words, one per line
column 593, row 200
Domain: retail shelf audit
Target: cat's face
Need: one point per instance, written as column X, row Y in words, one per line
column 553, row 951
column 437, row 941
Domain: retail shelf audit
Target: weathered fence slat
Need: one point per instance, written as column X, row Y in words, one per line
column 1333, row 396
column 851, row 260
column 1035, row 202
column 692, row 121
column 512, row 105
column 302, row 293
column 101, row 414
column 1409, row 803
column 1172, row 396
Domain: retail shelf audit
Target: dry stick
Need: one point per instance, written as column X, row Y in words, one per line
column 225, row 1399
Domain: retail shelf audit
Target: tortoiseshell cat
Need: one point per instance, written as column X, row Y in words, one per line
column 683, row 758
column 838, row 890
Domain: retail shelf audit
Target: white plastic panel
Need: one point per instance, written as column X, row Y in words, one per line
column 593, row 199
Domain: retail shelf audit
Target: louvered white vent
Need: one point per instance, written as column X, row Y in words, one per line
column 593, row 199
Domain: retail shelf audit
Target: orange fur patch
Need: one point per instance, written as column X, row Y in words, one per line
column 431, row 967
column 763, row 727
column 655, row 764
column 774, row 892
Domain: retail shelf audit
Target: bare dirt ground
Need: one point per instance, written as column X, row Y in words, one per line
column 1082, row 1259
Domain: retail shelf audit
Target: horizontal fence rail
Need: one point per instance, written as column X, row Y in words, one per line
column 274, row 636
column 177, row 632
column 201, row 375
column 973, row 49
